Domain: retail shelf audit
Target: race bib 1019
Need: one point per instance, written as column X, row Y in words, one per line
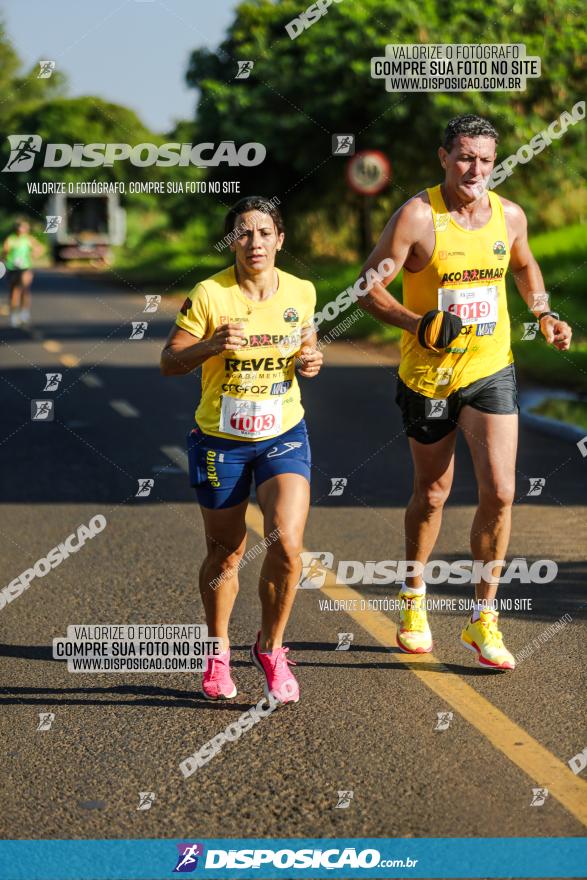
column 472, row 304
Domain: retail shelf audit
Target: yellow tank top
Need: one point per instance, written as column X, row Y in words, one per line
column 251, row 393
column 466, row 276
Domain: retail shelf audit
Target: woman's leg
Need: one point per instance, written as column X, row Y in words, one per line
column 285, row 501
column 226, row 536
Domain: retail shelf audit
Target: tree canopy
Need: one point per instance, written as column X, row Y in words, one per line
column 302, row 91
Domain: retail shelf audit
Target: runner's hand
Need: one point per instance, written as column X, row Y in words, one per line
column 309, row 362
column 227, row 337
column 557, row 333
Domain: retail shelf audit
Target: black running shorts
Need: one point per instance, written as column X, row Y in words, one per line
column 428, row 420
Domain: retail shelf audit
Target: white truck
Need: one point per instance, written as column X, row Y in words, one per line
column 86, row 226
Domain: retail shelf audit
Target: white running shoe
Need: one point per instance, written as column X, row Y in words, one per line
column 15, row 319
column 25, row 316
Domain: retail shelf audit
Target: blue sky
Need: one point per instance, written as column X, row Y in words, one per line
column 133, row 52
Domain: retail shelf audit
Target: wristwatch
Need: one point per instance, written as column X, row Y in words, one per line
column 547, row 315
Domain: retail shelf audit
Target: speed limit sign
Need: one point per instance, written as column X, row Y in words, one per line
column 368, row 172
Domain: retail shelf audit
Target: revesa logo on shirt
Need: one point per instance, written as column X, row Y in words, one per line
column 235, row 365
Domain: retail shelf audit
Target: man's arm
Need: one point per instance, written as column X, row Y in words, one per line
column 529, row 280
column 395, row 243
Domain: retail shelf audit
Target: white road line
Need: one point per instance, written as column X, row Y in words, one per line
column 177, row 455
column 91, row 380
column 124, row 408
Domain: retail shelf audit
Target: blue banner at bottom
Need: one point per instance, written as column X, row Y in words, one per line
column 224, row 859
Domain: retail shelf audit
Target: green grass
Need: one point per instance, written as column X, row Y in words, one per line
column 156, row 258
column 573, row 412
column 562, row 255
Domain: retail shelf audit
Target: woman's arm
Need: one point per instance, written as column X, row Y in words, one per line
column 183, row 352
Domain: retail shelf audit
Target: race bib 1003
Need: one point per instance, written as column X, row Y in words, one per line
column 472, row 304
column 250, row 419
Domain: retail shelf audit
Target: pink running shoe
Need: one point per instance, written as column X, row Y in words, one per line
column 217, row 683
column 280, row 683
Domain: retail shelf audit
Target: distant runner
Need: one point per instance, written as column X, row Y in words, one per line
column 455, row 242
column 18, row 252
column 249, row 423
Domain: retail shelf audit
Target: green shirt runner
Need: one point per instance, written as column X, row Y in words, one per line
column 19, row 252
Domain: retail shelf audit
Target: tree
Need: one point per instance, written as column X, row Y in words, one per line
column 73, row 120
column 21, row 90
column 302, row 91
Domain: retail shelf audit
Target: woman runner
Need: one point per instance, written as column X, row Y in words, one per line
column 246, row 326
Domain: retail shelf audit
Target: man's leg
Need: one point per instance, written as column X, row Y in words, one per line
column 226, row 536
column 433, row 475
column 284, row 500
column 492, row 439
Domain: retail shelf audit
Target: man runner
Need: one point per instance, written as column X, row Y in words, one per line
column 455, row 242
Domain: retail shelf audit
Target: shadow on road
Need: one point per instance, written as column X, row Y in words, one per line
column 154, row 697
column 44, row 653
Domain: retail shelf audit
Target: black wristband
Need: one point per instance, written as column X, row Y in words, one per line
column 547, row 315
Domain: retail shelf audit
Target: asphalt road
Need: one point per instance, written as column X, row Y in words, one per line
column 366, row 721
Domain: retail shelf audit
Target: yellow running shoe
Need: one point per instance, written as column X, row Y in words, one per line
column 485, row 639
column 413, row 635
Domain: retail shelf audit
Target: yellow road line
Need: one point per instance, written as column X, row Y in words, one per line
column 503, row 733
column 52, row 345
column 69, row 360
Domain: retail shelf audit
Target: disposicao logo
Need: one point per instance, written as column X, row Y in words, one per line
column 24, row 149
column 187, row 857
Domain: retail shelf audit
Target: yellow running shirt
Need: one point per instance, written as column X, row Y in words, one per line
column 252, row 393
column 466, row 276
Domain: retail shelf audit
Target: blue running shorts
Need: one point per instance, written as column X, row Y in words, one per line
column 221, row 470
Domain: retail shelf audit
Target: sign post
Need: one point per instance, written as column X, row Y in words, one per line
column 368, row 173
